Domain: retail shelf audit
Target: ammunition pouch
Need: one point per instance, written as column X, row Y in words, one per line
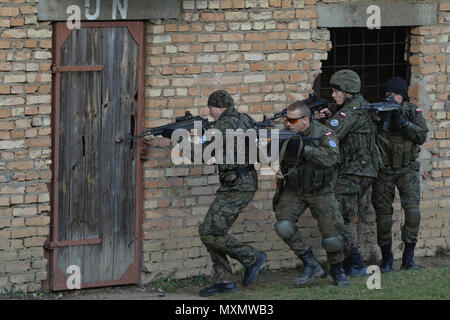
column 403, row 154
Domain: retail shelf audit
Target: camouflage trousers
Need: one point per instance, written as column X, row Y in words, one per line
column 350, row 191
column 324, row 208
column 407, row 181
column 213, row 233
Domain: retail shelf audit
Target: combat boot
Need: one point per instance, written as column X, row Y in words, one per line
column 252, row 272
column 387, row 260
column 357, row 267
column 218, row 288
column 407, row 258
column 347, row 264
column 338, row 275
column 311, row 268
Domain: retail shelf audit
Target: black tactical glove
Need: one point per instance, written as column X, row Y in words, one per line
column 399, row 120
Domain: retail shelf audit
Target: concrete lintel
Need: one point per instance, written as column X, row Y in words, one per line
column 56, row 10
column 398, row 13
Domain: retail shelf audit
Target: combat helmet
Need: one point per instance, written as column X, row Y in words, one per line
column 220, row 99
column 346, row 80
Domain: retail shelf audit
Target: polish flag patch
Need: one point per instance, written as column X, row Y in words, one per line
column 419, row 110
column 342, row 114
column 329, row 133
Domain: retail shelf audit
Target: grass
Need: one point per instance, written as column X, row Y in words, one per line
column 405, row 285
column 169, row 284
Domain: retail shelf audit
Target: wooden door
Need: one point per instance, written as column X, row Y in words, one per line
column 96, row 191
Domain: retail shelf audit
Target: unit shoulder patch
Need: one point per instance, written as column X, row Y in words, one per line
column 334, row 122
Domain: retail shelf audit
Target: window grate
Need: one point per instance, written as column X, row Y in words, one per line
column 376, row 55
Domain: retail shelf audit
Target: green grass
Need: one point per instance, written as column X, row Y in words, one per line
column 405, row 285
column 169, row 284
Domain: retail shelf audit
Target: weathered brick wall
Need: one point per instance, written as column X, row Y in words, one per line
column 430, row 85
column 25, row 144
column 266, row 53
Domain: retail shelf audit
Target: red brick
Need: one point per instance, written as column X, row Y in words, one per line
column 306, row 14
column 255, row 37
column 275, row 3
column 444, row 7
column 238, row 4
column 232, row 37
column 210, row 16
column 9, row 12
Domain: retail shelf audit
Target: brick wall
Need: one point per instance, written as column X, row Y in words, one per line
column 25, row 144
column 266, row 53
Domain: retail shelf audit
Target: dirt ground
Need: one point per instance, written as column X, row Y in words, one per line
column 190, row 292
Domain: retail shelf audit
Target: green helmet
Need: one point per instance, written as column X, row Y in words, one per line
column 220, row 99
column 346, row 80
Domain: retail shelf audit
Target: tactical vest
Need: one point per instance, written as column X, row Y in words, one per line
column 234, row 176
column 244, row 122
column 358, row 150
column 307, row 177
column 397, row 151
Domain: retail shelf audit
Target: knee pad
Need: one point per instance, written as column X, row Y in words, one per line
column 285, row 229
column 384, row 223
column 332, row 244
column 412, row 218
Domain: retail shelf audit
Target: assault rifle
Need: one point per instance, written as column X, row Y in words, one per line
column 184, row 122
column 188, row 120
column 385, row 110
column 313, row 102
column 316, row 103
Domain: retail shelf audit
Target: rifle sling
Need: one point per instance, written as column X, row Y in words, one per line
column 283, row 151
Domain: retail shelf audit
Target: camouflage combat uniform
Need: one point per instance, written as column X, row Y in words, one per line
column 358, row 166
column 399, row 151
column 310, row 183
column 238, row 184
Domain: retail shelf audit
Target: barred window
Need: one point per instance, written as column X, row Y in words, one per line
column 376, row 55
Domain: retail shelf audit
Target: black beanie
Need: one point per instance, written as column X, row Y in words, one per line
column 398, row 86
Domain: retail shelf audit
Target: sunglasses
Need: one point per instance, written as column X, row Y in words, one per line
column 294, row 120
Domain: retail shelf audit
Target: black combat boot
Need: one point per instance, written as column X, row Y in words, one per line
column 252, row 272
column 357, row 267
column 347, row 264
column 338, row 275
column 311, row 268
column 387, row 260
column 218, row 288
column 407, row 258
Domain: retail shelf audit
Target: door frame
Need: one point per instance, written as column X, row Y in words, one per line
column 56, row 278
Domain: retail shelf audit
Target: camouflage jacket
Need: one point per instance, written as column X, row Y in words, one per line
column 356, row 132
column 235, row 176
column 400, row 147
column 314, row 172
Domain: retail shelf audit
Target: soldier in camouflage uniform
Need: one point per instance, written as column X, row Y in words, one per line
column 238, row 184
column 309, row 179
column 399, row 149
column 359, row 163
